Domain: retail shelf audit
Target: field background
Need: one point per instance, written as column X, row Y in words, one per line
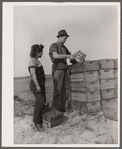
column 21, row 88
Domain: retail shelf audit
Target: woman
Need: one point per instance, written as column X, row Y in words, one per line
column 37, row 84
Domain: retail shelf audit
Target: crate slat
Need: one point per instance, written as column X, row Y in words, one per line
column 91, row 76
column 91, row 65
column 78, row 84
column 116, row 83
column 93, row 96
column 115, row 63
column 106, row 74
column 77, row 68
column 81, row 107
column 110, row 108
column 77, row 77
column 78, row 96
column 93, row 86
column 106, row 63
column 94, row 106
column 108, row 93
column 53, row 123
column 116, row 73
column 84, row 66
column 106, row 84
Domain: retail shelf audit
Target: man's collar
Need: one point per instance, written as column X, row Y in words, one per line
column 61, row 44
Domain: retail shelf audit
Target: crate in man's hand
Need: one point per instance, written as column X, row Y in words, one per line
column 79, row 56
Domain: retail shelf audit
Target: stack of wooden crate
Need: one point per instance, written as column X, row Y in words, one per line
column 92, row 83
column 108, row 75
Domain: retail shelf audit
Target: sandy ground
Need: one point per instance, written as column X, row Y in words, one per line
column 76, row 128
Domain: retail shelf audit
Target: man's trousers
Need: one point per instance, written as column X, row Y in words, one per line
column 60, row 90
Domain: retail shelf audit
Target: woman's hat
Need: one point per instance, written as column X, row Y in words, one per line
column 62, row 33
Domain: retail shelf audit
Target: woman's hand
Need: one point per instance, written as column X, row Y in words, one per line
column 38, row 89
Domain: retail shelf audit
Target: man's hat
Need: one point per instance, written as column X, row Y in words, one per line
column 62, row 33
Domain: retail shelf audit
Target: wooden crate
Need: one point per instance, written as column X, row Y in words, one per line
column 91, row 65
column 116, row 83
column 110, row 108
column 116, row 93
column 83, row 66
column 52, row 118
column 116, row 88
column 106, row 63
column 79, row 56
column 106, row 84
column 106, row 74
column 81, row 107
column 111, row 114
column 115, row 73
column 91, row 76
column 53, row 122
column 110, row 103
column 115, row 63
column 93, row 96
column 78, row 86
column 93, row 86
column 94, row 106
column 77, row 77
column 77, row 68
column 108, row 93
column 78, row 96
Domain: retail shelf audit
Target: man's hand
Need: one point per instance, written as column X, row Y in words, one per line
column 38, row 89
column 71, row 57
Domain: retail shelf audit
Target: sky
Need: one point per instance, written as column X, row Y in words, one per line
column 92, row 29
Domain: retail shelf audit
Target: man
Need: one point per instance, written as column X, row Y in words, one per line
column 58, row 54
